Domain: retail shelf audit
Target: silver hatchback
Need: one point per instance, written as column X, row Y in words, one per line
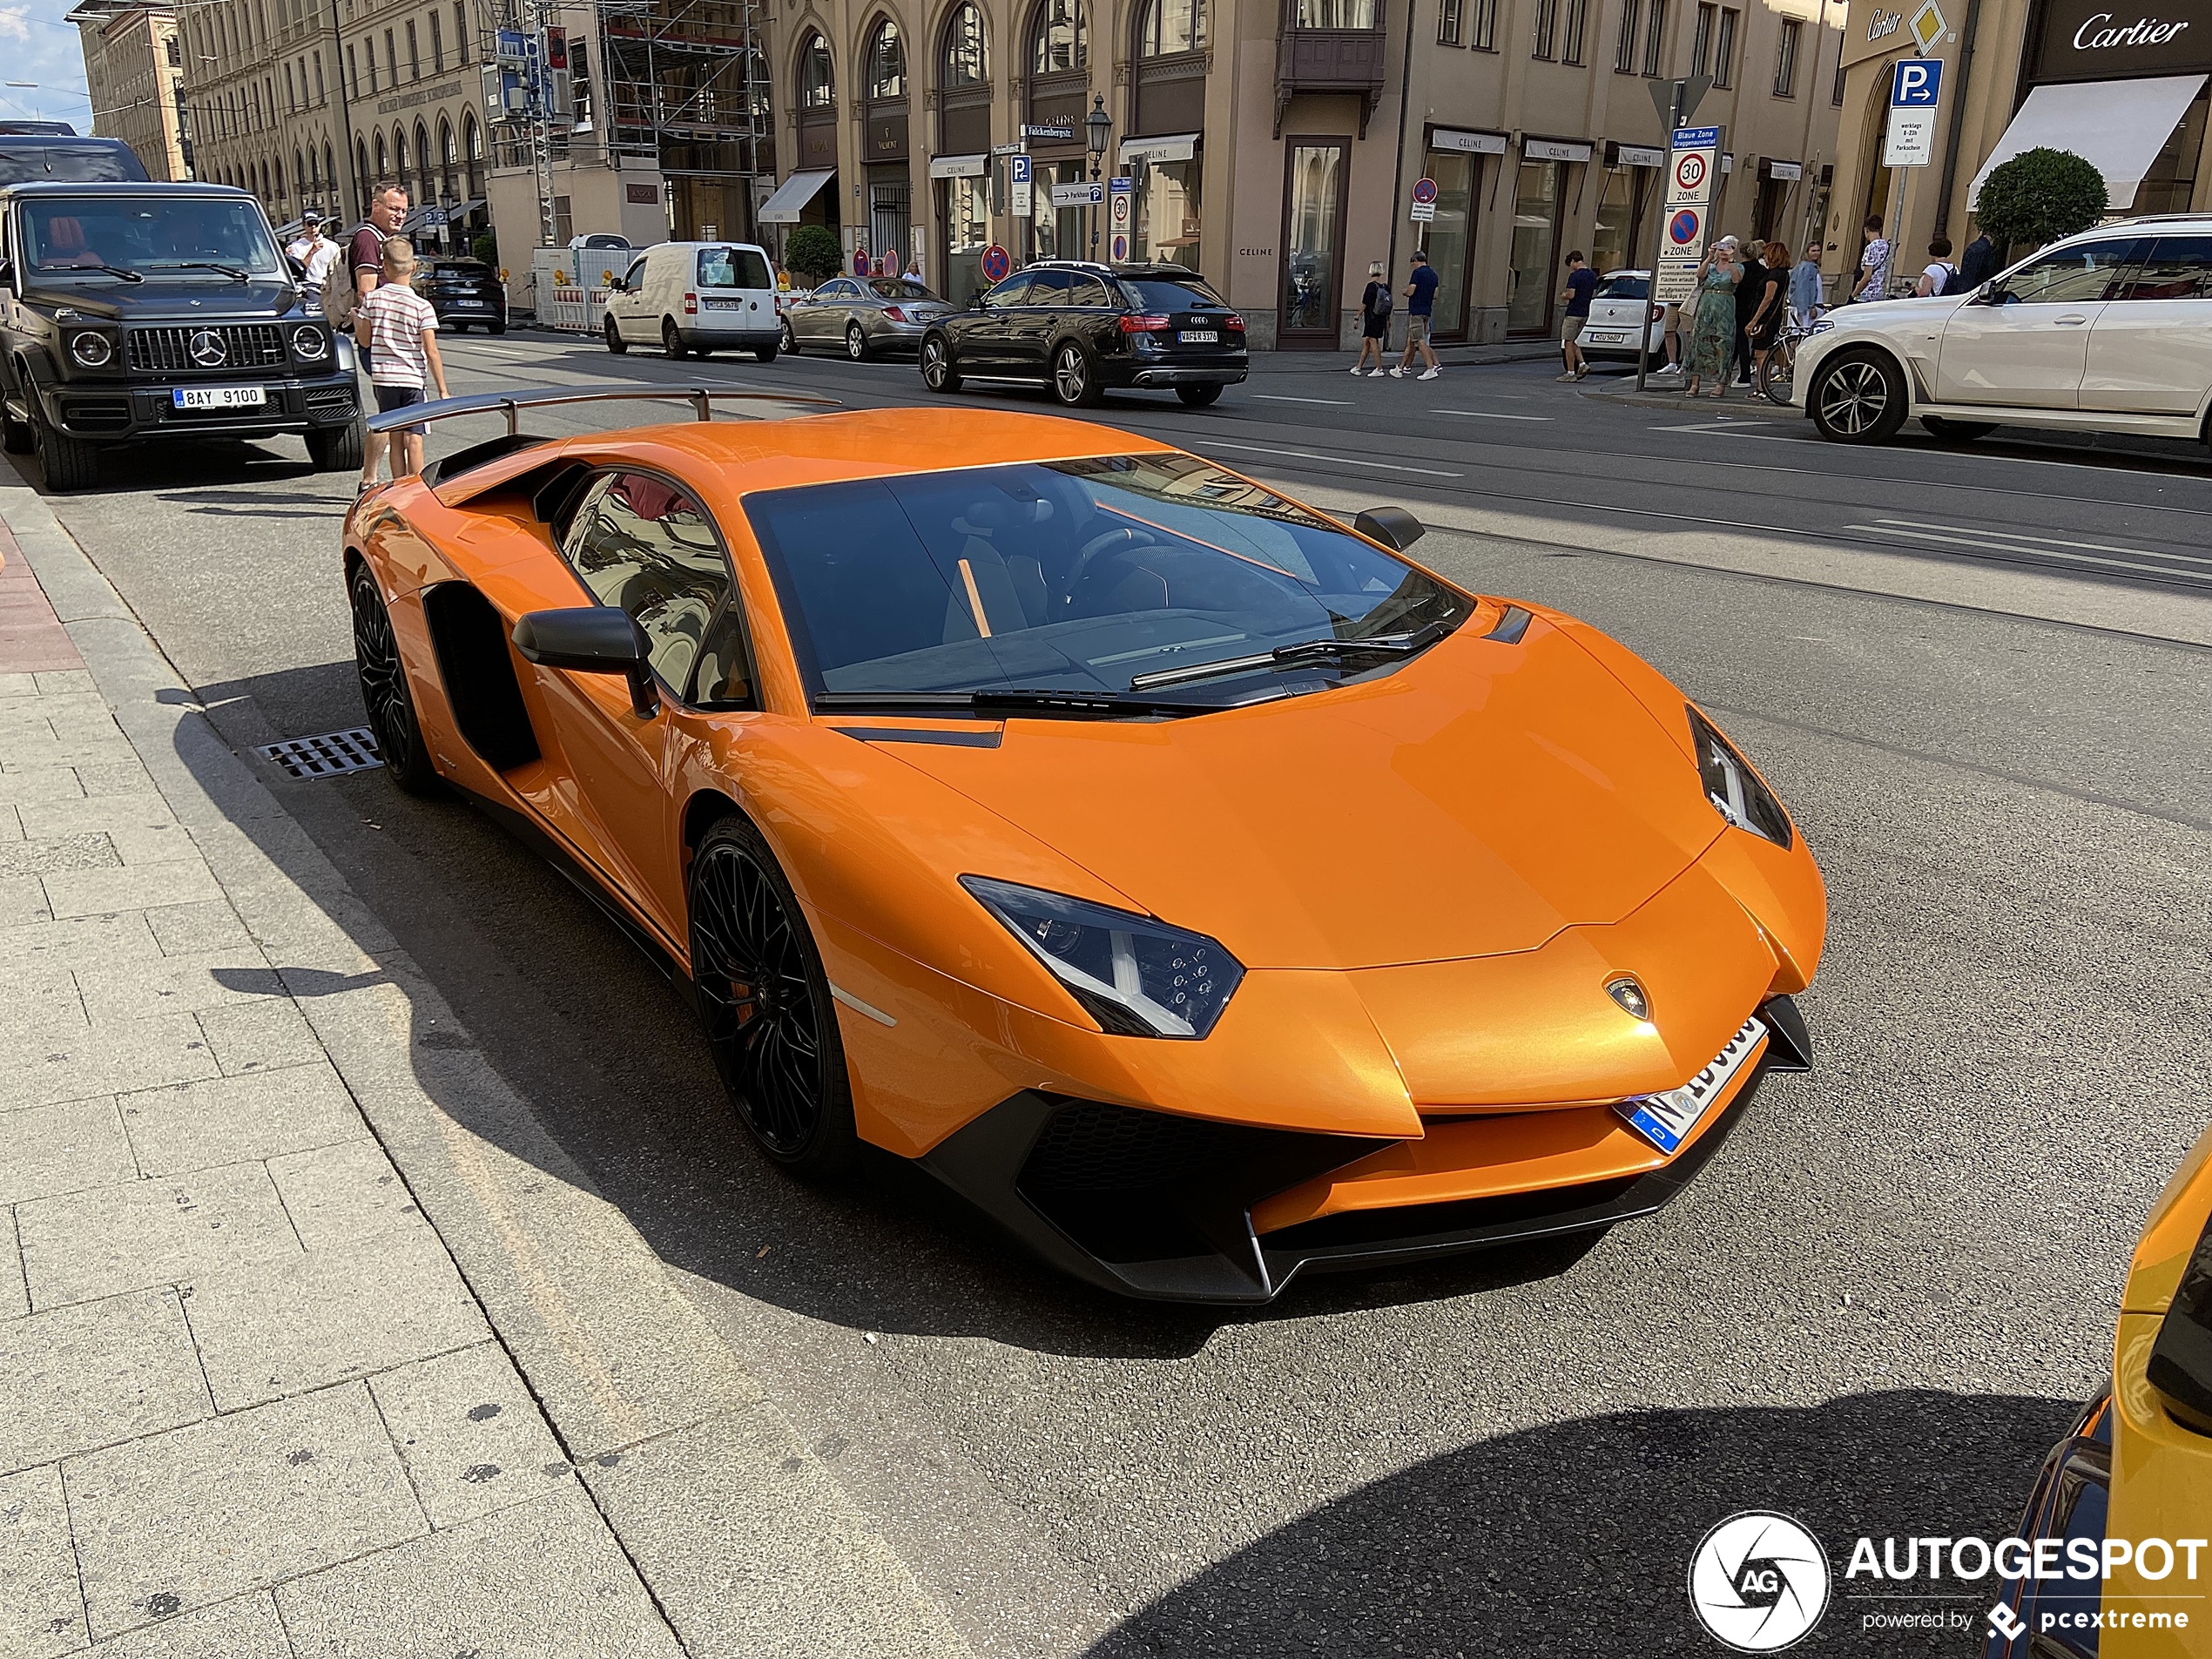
column 861, row 316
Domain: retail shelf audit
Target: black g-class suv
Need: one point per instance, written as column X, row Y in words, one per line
column 153, row 312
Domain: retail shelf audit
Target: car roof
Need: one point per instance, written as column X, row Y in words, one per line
column 121, row 186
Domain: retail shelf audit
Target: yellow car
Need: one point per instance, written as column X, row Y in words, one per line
column 2129, row 1494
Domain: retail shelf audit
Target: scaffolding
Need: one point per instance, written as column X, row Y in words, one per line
column 686, row 89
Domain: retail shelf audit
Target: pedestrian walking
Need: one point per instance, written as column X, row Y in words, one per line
column 1978, row 263
column 1374, row 313
column 1420, row 304
column 1940, row 272
column 1774, row 305
column 398, row 331
column 1751, row 292
column 1873, row 262
column 1804, row 286
column 1581, row 283
column 1714, row 329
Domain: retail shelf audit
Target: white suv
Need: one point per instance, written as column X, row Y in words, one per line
column 2109, row 331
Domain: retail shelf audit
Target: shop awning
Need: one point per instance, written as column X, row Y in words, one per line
column 2118, row 127
column 1175, row 146
column 792, row 195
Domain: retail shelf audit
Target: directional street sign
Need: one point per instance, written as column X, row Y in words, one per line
column 1078, row 195
column 1910, row 141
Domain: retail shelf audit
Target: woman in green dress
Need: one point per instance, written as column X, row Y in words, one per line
column 1715, row 330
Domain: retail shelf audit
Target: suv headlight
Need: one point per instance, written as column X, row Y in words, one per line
column 1733, row 787
column 1136, row 976
column 312, row 345
column 94, row 351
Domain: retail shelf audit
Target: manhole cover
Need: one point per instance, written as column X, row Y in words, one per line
column 326, row 756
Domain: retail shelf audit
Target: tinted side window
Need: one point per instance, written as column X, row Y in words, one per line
column 1012, row 291
column 642, row 543
column 2179, row 267
column 1087, row 291
column 1047, row 288
column 2072, row 276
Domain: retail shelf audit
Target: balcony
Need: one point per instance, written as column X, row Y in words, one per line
column 1330, row 46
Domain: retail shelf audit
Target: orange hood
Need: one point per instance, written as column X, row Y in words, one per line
column 1479, row 800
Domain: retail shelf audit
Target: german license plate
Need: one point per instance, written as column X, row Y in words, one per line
column 218, row 397
column 1666, row 1120
column 1199, row 336
column 1606, row 339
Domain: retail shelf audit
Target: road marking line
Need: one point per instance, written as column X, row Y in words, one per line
column 1486, row 415
column 1275, row 397
column 2024, row 535
column 496, row 351
column 1305, row 455
column 2181, row 571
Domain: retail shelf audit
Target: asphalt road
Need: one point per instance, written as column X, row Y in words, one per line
column 1874, row 1310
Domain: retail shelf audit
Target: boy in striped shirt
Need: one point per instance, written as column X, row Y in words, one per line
column 398, row 331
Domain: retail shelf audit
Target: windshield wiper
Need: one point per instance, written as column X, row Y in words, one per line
column 1292, row 656
column 986, row 705
column 102, row 270
column 230, row 271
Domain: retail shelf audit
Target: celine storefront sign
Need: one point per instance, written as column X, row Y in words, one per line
column 2107, row 40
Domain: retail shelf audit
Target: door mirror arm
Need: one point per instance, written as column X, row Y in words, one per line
column 593, row 639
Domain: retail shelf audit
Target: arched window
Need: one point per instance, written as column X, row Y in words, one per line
column 1059, row 46
column 300, row 171
column 817, row 81
column 964, row 64
column 383, row 163
column 446, row 153
column 425, row 164
column 399, row 160
column 329, row 169
column 279, row 178
column 1172, row 26
column 886, row 65
column 472, row 147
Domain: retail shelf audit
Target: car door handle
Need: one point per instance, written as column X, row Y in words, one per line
column 2069, row 322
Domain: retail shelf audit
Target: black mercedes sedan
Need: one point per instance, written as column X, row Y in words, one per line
column 1082, row 329
column 462, row 293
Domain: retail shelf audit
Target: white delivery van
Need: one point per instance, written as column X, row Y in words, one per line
column 697, row 297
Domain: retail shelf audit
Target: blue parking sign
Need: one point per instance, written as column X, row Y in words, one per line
column 1018, row 169
column 1916, row 83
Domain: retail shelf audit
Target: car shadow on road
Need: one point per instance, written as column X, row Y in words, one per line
column 1578, row 1535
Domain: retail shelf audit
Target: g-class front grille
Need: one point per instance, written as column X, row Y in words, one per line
column 210, row 347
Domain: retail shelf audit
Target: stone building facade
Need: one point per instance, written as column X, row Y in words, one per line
column 134, row 72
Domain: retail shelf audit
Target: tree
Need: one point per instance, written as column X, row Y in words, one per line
column 811, row 252
column 2039, row 196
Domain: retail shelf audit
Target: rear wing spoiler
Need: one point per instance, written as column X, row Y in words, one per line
column 511, row 404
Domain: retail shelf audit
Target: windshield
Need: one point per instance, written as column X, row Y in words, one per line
column 1622, row 286
column 1171, row 294
column 1076, row 575
column 733, row 267
column 148, row 234
column 899, row 288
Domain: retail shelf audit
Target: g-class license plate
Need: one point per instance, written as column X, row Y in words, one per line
column 1666, row 1120
column 218, row 397
column 1199, row 337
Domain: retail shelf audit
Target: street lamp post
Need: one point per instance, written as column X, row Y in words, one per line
column 1098, row 128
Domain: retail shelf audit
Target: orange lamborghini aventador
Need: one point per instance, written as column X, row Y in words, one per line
column 1195, row 882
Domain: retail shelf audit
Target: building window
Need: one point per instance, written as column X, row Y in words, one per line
column 1785, row 58
column 1701, row 40
column 1724, row 49
column 1571, row 44
column 1655, row 38
column 460, row 32
column 414, row 55
column 1337, row 14
column 368, row 51
column 1836, row 97
column 817, row 83
column 288, row 105
column 1448, row 23
column 1624, row 49
column 437, row 44
column 353, row 75
column 1545, row 44
column 391, row 60
column 886, row 65
column 1059, row 45
column 1483, row 26
column 964, row 61
column 1173, row 26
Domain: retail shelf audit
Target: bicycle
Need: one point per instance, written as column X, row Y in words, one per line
column 1779, row 368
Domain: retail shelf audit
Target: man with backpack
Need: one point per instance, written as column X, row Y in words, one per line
column 354, row 278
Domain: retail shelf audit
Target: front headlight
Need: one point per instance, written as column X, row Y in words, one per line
column 1821, row 326
column 94, row 351
column 1734, row 788
column 1136, row 976
column 312, row 344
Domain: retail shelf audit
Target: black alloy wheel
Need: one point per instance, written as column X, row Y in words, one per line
column 939, row 373
column 615, row 343
column 765, row 1001
column 856, row 342
column 1073, row 383
column 1858, row 398
column 385, row 697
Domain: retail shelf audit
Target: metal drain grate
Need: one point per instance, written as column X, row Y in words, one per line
column 326, row 756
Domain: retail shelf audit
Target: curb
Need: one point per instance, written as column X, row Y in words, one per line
column 705, row 1484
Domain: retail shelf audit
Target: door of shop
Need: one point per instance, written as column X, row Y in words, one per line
column 1535, row 231
column 1317, row 173
column 1450, row 239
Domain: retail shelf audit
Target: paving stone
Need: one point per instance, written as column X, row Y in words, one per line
column 57, row 854
column 67, row 1147
column 10, row 824
column 41, row 1613
column 23, row 787
column 195, row 930
column 229, row 1120
column 245, row 1627
column 240, row 1502
column 545, row 1580
column 283, row 1326
column 80, row 816
column 37, row 1066
column 343, row 1195
column 14, row 686
column 176, row 985
column 135, row 886
column 41, row 998
column 90, row 942
column 63, row 682
column 117, row 776
column 22, row 900
column 473, row 1439
column 15, row 1300
column 95, row 1374
column 260, row 1035
column 151, row 1232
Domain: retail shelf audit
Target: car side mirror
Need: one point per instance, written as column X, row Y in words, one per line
column 592, row 639
column 1392, row 526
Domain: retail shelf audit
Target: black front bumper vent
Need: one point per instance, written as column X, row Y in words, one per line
column 169, row 350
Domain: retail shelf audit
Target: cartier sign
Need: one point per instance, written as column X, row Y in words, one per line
column 2100, row 40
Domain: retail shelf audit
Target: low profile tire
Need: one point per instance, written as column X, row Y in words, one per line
column 765, row 1001
column 385, row 697
column 67, row 463
column 939, row 371
column 1857, row 397
column 336, row 448
column 856, row 343
column 615, row 343
column 671, row 341
column 1199, row 397
column 1074, row 382
column 1946, row 430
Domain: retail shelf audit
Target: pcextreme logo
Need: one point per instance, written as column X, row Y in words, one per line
column 1759, row 1581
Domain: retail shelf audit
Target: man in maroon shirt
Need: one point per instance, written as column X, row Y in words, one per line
column 365, row 254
